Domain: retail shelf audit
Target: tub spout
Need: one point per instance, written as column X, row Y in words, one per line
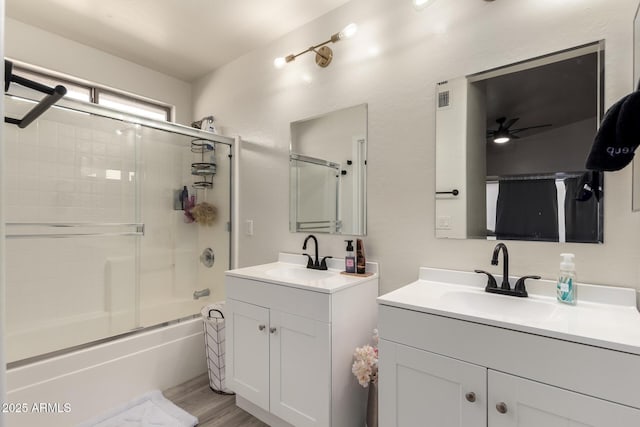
column 201, row 293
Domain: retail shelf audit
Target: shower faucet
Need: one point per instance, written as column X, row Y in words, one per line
column 201, row 293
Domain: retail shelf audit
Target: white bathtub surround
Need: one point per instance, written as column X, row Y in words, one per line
column 99, row 378
column 503, row 358
column 291, row 334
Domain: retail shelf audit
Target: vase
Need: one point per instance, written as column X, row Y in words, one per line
column 372, row 405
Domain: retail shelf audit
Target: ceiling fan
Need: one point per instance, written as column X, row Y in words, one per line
column 504, row 133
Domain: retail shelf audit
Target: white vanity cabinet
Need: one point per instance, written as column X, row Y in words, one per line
column 281, row 362
column 424, row 388
column 290, row 340
column 420, row 388
column 443, row 364
column 515, row 401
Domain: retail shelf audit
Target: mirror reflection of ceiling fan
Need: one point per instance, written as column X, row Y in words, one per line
column 504, row 133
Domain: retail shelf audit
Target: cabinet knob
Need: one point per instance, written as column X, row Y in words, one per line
column 471, row 397
column 501, row 407
column 261, row 327
column 272, row 330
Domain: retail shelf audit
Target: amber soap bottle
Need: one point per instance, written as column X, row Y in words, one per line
column 361, row 260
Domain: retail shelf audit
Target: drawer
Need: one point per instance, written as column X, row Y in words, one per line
column 594, row 371
column 309, row 304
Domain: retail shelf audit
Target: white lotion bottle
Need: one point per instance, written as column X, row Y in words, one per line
column 566, row 287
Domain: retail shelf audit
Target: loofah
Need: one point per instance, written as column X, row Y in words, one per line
column 204, row 213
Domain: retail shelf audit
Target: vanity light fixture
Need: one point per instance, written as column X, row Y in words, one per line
column 422, row 4
column 324, row 54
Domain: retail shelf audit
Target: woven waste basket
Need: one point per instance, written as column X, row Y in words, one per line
column 214, row 331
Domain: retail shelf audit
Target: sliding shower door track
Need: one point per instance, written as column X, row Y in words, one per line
column 72, row 349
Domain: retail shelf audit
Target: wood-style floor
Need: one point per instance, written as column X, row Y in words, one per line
column 212, row 409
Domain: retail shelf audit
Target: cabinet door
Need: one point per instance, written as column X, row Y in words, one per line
column 419, row 388
column 300, row 369
column 247, row 347
column 532, row 404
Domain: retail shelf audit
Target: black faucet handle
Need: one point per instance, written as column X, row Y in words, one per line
column 491, row 281
column 520, row 288
column 323, row 263
column 310, row 261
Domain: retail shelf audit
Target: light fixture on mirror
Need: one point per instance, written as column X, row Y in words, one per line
column 324, row 54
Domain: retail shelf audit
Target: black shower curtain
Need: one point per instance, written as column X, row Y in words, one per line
column 527, row 210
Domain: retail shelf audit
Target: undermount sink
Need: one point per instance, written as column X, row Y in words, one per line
column 294, row 272
column 491, row 304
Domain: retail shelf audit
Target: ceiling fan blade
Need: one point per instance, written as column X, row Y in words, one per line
column 530, row 127
column 514, row 136
column 510, row 123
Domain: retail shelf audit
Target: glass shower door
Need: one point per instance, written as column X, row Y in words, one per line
column 73, row 227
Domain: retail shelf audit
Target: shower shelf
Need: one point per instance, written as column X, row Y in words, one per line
column 202, row 169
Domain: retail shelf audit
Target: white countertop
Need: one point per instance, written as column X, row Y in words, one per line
column 604, row 316
column 290, row 270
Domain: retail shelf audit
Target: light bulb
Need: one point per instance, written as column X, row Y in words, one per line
column 501, row 140
column 348, row 31
column 279, row 62
column 421, row 4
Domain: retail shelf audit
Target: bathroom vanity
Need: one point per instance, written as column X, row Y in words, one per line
column 291, row 334
column 453, row 355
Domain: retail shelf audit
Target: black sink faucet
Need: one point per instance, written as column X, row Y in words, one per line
column 314, row 264
column 505, row 264
column 519, row 289
column 304, row 248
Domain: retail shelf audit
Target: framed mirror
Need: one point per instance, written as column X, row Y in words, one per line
column 511, row 146
column 328, row 173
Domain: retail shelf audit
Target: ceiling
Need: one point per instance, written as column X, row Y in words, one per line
column 559, row 93
column 185, row 39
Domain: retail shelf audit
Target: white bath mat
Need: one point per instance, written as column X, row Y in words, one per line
column 149, row 410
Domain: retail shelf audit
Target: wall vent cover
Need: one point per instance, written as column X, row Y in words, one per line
column 443, row 99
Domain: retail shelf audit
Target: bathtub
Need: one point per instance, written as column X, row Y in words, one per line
column 83, row 383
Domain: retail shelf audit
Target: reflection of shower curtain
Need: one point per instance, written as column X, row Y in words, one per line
column 581, row 218
column 527, row 210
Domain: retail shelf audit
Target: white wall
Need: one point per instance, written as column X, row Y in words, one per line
column 2, row 240
column 416, row 50
column 47, row 50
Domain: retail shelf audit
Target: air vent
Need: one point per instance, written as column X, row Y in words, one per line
column 443, row 99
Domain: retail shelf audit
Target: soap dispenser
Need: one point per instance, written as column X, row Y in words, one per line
column 566, row 287
column 350, row 258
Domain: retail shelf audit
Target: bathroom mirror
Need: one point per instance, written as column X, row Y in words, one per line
column 328, row 173
column 511, row 146
column 636, row 81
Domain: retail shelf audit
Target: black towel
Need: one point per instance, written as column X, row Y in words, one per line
column 590, row 184
column 618, row 136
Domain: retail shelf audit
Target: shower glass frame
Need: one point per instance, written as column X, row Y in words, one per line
column 129, row 228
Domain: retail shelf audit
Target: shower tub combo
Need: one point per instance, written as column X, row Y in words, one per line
column 106, row 275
